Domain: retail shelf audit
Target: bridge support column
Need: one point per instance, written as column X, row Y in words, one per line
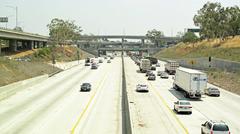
column 13, row 45
column 31, row 45
column 44, row 44
column 143, row 42
column 38, row 45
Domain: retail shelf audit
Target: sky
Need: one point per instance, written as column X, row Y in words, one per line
column 107, row 17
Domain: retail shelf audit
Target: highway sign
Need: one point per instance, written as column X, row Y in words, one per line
column 3, row 19
column 194, row 30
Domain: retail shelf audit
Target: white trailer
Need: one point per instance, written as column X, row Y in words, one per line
column 192, row 82
column 171, row 66
column 145, row 64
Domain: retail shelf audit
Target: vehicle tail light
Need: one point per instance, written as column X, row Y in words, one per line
column 211, row 132
column 229, row 132
column 180, row 107
column 190, row 107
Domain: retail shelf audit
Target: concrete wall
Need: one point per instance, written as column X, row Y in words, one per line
column 9, row 90
column 203, row 63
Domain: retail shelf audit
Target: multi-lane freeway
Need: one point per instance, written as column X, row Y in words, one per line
column 55, row 106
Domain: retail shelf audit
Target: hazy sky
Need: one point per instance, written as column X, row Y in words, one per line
column 130, row 17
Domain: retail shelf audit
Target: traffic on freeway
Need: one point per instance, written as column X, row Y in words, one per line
column 119, row 67
column 86, row 100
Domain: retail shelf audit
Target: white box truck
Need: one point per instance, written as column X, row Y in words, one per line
column 145, row 64
column 171, row 66
column 192, row 82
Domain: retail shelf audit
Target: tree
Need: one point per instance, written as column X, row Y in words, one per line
column 209, row 20
column 19, row 29
column 216, row 21
column 189, row 37
column 155, row 36
column 61, row 31
column 233, row 20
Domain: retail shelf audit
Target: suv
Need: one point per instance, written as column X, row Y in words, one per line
column 212, row 91
column 151, row 76
column 215, row 127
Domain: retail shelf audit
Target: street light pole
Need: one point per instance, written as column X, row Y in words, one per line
column 16, row 16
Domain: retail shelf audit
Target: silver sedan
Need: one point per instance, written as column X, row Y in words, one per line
column 212, row 91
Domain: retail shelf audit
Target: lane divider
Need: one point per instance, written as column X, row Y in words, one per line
column 169, row 109
column 88, row 104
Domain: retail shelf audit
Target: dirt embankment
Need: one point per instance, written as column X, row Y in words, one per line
column 32, row 63
column 228, row 49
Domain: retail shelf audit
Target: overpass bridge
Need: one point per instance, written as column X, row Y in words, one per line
column 22, row 40
column 139, row 37
column 148, row 50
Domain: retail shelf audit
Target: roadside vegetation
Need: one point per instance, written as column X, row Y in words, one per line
column 13, row 71
column 61, row 54
column 219, row 38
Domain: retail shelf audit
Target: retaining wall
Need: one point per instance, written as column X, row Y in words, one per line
column 203, row 63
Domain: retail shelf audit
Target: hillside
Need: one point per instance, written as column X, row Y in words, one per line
column 228, row 49
column 62, row 54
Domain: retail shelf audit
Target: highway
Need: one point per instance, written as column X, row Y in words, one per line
column 55, row 106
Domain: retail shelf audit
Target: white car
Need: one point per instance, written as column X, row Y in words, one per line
column 141, row 88
column 215, row 127
column 183, row 106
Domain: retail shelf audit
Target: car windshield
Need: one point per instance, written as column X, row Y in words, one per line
column 185, row 103
column 143, row 85
column 220, row 127
column 85, row 84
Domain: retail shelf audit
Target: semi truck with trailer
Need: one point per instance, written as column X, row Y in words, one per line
column 192, row 82
column 171, row 66
column 145, row 64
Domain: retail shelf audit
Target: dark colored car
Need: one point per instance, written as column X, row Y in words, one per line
column 87, row 64
column 149, row 72
column 86, row 87
column 153, row 68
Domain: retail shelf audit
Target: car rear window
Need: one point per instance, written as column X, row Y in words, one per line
column 184, row 103
column 220, row 127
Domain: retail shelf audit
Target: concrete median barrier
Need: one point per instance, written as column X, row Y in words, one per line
column 11, row 89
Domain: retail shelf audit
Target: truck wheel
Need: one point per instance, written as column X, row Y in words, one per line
column 174, row 86
column 186, row 95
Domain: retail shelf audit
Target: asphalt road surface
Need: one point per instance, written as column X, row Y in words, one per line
column 55, row 106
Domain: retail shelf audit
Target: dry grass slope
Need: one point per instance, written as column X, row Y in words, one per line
column 228, row 49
